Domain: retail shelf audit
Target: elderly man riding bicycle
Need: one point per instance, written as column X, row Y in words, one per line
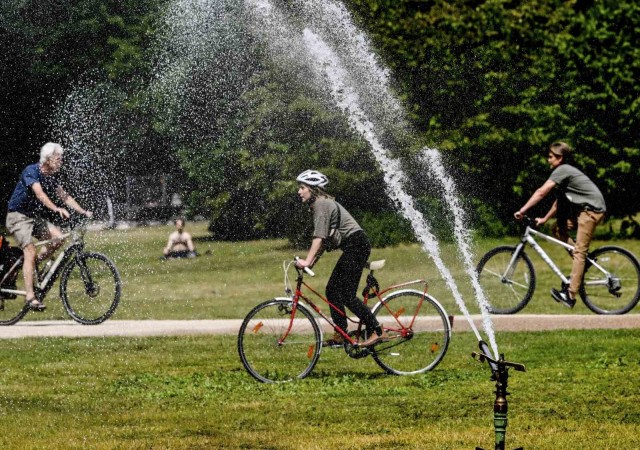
column 29, row 202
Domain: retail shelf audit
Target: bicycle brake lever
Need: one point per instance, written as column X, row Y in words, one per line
column 306, row 269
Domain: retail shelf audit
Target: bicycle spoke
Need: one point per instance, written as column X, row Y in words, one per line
column 496, row 274
column 273, row 348
column 424, row 345
column 512, row 283
column 506, row 295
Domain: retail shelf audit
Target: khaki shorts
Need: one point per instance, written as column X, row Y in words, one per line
column 23, row 228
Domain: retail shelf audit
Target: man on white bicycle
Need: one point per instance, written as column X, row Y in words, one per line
column 580, row 206
column 27, row 205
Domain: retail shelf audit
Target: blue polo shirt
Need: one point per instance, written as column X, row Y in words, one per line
column 23, row 199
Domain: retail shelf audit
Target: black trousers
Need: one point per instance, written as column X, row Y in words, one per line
column 343, row 283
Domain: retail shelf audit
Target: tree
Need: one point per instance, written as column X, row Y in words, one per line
column 496, row 81
column 54, row 49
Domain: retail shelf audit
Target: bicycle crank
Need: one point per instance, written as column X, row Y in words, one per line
column 356, row 352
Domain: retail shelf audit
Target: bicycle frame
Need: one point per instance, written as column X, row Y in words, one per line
column 42, row 287
column 371, row 283
column 528, row 238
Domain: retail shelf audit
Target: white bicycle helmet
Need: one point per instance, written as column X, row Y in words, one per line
column 313, row 178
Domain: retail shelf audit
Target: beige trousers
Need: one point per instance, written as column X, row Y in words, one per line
column 585, row 224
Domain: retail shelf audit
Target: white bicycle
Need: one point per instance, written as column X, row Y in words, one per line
column 611, row 283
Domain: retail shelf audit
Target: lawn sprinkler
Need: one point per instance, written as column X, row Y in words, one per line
column 499, row 374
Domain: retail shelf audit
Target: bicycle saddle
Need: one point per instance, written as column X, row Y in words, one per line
column 376, row 265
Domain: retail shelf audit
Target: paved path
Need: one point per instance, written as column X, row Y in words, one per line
column 518, row 322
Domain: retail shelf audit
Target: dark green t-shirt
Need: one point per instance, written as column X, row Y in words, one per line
column 577, row 188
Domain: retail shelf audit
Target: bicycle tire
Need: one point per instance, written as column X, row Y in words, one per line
column 506, row 294
column 263, row 355
column 90, row 288
column 598, row 290
column 427, row 340
column 12, row 310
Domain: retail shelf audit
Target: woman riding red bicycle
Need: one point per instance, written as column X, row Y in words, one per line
column 334, row 226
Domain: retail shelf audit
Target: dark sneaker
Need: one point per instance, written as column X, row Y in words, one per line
column 563, row 297
column 337, row 340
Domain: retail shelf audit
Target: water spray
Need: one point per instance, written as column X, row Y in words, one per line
column 499, row 374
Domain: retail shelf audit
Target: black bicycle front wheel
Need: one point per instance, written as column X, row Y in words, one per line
column 419, row 332
column 507, row 288
column 12, row 306
column 612, row 284
column 275, row 348
column 90, row 288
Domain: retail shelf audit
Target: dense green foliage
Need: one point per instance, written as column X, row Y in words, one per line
column 490, row 83
column 247, row 175
column 51, row 49
column 495, row 82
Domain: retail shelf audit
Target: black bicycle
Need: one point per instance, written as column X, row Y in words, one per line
column 90, row 285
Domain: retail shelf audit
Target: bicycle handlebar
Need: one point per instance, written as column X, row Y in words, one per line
column 306, row 269
column 529, row 221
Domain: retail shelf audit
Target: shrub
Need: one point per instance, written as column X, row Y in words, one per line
column 386, row 228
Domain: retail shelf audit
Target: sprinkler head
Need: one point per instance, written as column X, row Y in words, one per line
column 499, row 374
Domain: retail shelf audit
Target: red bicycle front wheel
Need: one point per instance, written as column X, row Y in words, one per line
column 274, row 347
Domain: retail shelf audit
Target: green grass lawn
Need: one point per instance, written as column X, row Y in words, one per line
column 235, row 276
column 579, row 392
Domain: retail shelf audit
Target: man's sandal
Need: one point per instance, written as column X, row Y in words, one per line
column 35, row 305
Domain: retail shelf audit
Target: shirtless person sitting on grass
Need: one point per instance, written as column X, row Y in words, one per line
column 180, row 244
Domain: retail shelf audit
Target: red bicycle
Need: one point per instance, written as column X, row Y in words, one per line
column 281, row 339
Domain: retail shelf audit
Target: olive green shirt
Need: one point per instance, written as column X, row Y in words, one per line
column 577, row 188
column 325, row 217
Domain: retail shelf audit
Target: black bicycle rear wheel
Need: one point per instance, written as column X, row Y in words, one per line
column 90, row 288
column 12, row 310
column 12, row 306
column 615, row 291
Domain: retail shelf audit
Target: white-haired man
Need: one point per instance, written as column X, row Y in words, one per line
column 31, row 198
